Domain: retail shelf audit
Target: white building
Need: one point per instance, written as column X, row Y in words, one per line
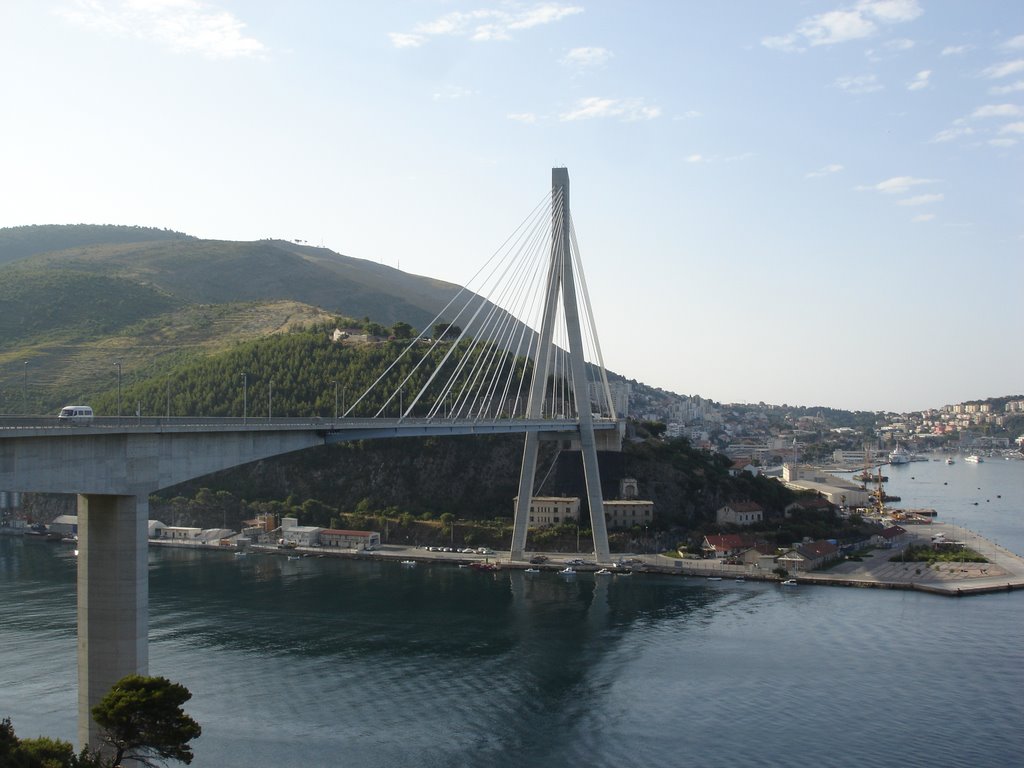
column 625, row 513
column 552, row 510
column 301, row 535
column 333, row 537
column 739, row 513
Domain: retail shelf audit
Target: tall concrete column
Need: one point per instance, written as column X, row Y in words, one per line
column 561, row 280
column 113, row 599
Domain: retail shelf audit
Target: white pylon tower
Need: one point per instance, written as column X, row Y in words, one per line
column 560, row 281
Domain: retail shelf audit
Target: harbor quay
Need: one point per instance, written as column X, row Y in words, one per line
column 1004, row 570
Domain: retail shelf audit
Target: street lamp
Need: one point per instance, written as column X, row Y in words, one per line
column 245, row 396
column 24, row 392
column 168, row 398
column 118, row 364
column 335, row 383
column 270, row 401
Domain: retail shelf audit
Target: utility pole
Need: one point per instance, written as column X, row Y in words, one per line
column 245, row 397
column 335, row 383
column 270, row 401
column 24, row 392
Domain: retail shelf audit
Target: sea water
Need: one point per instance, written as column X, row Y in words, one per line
column 323, row 661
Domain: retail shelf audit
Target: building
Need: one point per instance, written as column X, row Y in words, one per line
column 180, row 533
column 301, row 535
column 739, row 513
column 724, row 545
column 363, row 540
column 552, row 510
column 836, row 490
column 625, row 513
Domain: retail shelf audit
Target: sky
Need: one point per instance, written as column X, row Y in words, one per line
column 800, row 202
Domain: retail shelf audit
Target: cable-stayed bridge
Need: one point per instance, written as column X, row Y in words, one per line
column 516, row 351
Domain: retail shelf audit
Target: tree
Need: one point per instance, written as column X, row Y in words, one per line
column 402, row 330
column 446, row 331
column 43, row 752
column 141, row 719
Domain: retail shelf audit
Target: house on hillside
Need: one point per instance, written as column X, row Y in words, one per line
column 739, row 513
column 743, row 464
column 809, row 504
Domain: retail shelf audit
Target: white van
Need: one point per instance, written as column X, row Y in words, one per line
column 75, row 414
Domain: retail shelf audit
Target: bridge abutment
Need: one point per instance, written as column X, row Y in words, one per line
column 113, row 599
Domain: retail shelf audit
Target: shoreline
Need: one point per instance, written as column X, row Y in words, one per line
column 1003, row 572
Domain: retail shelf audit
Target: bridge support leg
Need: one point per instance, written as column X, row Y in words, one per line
column 526, row 478
column 113, row 599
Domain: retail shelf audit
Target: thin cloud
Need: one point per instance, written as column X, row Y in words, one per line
column 856, row 22
column 923, row 217
column 1013, row 128
column 184, row 26
column 1002, row 90
column 922, row 199
column 858, row 84
column 897, row 185
column 522, row 117
column 955, row 132
column 998, row 110
column 586, row 57
column 1002, row 142
column 596, row 107
column 1015, row 42
column 483, row 25
column 956, row 50
column 825, row 170
column 900, row 44
column 997, row 71
column 452, row 93
column 920, row 81
column 697, row 158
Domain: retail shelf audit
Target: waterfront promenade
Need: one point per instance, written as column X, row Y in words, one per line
column 1003, row 571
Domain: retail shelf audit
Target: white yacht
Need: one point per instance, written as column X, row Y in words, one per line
column 973, row 459
column 899, row 456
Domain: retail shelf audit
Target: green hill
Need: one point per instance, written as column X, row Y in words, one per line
column 21, row 242
column 78, row 298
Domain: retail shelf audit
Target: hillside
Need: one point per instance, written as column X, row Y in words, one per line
column 79, row 298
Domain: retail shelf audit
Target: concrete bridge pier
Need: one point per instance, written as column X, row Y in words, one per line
column 113, row 599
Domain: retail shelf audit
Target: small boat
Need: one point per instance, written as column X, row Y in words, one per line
column 568, row 571
column 950, row 461
column 603, row 572
column 404, row 562
column 974, row 459
column 740, row 578
column 241, row 554
column 789, row 583
column 532, row 570
column 483, row 566
column 714, row 578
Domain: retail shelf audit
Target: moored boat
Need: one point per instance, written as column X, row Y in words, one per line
column 974, row 459
column 899, row 455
